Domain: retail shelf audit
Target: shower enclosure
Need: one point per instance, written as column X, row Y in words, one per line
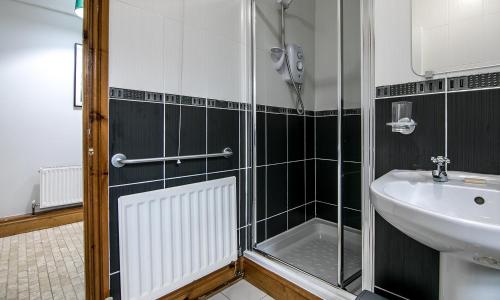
column 306, row 149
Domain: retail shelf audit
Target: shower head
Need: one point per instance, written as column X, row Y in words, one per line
column 286, row 3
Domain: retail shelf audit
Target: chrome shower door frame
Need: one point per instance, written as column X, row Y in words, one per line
column 367, row 120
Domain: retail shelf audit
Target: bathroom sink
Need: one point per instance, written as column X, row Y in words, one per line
column 461, row 216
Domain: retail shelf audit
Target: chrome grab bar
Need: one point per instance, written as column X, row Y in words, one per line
column 120, row 160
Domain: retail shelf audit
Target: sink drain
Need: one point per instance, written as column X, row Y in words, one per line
column 479, row 200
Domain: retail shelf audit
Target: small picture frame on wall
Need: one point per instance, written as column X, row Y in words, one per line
column 78, row 77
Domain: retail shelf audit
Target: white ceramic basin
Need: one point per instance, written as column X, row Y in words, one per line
column 444, row 216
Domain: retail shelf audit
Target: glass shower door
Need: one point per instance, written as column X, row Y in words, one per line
column 305, row 165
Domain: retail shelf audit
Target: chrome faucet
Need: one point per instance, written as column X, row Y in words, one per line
column 440, row 175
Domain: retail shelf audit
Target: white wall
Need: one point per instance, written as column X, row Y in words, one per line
column 393, row 42
column 38, row 124
column 313, row 25
column 326, row 55
column 393, row 27
column 189, row 47
column 457, row 34
column 300, row 30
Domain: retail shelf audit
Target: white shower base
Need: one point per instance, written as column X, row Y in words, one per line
column 312, row 248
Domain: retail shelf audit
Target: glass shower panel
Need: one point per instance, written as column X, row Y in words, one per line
column 351, row 146
column 297, row 116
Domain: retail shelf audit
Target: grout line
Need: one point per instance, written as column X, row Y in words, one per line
column 134, row 100
column 394, row 294
column 283, row 212
column 336, row 205
column 407, row 96
column 178, row 177
column 475, row 90
column 265, row 176
column 135, row 183
column 287, row 126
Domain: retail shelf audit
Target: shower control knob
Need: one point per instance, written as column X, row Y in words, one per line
column 300, row 66
column 300, row 55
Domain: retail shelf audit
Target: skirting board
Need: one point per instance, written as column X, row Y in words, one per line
column 273, row 284
column 209, row 284
column 22, row 224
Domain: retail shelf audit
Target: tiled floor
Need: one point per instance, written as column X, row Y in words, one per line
column 44, row 264
column 242, row 290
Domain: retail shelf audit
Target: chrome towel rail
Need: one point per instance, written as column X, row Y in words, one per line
column 120, row 160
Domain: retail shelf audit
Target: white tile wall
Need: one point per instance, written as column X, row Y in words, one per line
column 135, row 48
column 191, row 47
column 457, row 34
column 300, row 30
column 326, row 55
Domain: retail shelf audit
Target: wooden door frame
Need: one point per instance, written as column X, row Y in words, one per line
column 95, row 148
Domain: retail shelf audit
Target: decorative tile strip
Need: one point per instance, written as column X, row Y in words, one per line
column 351, row 111
column 261, row 108
column 116, row 93
column 194, row 101
column 245, row 106
column 278, row 110
column 470, row 82
column 172, row 99
column 323, row 113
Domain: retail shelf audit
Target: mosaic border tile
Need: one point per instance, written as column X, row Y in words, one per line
column 459, row 83
column 136, row 95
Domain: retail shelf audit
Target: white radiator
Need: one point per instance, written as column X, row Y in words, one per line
column 61, row 186
column 171, row 237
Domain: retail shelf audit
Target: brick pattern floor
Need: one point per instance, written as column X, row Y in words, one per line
column 44, row 264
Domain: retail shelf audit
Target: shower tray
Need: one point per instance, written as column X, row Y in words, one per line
column 312, row 248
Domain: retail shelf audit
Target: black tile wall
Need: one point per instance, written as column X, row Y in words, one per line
column 148, row 126
column 192, row 139
column 114, row 286
column 261, row 193
column 276, row 189
column 296, row 216
column 351, row 137
column 310, row 180
column 474, row 131
column 142, row 138
column 276, row 138
column 310, row 211
column 222, row 132
column 276, row 225
column 326, row 181
column 296, row 184
column 242, row 204
column 296, row 137
column 352, row 185
column 326, row 137
column 404, row 266
column 414, row 151
column 311, row 148
column 351, row 218
column 387, row 295
column 261, row 138
column 326, row 211
column 261, row 231
column 310, row 137
column 184, row 180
